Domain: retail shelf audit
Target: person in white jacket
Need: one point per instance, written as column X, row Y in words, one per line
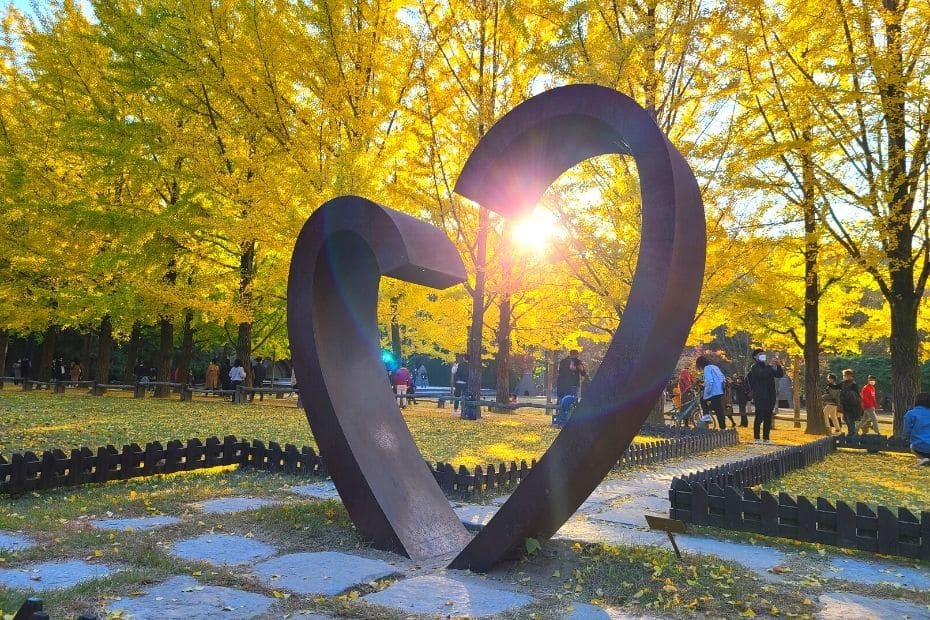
column 236, row 376
column 713, row 389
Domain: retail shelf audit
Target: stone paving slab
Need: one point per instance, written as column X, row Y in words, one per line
column 846, row 606
column 185, row 598
column 632, row 513
column 448, row 596
column 226, row 505
column 317, row 490
column 325, row 573
column 579, row 528
column 757, row 558
column 15, row 542
column 52, row 575
column 136, row 523
column 228, row 549
column 475, row 516
column 876, row 572
column 584, row 611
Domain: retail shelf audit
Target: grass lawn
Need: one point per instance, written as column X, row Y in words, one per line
column 40, row 420
column 890, row 479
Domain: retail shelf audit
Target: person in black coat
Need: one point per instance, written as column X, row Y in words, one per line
column 741, row 396
column 761, row 384
column 850, row 402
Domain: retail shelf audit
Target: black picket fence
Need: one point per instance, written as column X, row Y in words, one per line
column 882, row 530
column 873, row 443
column 496, row 480
column 763, row 468
column 28, row 472
column 721, row 497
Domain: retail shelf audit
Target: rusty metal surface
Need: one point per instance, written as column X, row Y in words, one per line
column 509, row 170
column 350, row 242
column 339, row 257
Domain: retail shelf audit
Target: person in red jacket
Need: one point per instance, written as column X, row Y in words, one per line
column 401, row 380
column 869, row 407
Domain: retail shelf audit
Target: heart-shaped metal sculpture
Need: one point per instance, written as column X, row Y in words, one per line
column 349, row 242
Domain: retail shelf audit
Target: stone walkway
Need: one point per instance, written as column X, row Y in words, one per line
column 613, row 514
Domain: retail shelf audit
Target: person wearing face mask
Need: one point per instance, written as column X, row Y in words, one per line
column 869, row 406
column 761, row 384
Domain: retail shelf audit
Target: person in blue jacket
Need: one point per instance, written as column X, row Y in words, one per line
column 917, row 428
column 714, row 389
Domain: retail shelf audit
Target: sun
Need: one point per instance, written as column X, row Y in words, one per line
column 537, row 231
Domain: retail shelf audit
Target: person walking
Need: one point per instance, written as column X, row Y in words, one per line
column 224, row 374
column 459, row 381
column 567, row 385
column 401, row 379
column 25, row 368
column 869, row 405
column 714, row 389
column 236, row 376
column 850, row 401
column 685, row 385
column 741, row 396
column 831, row 401
column 142, row 373
column 917, row 428
column 212, row 378
column 571, row 370
column 258, row 378
column 76, row 372
column 761, row 384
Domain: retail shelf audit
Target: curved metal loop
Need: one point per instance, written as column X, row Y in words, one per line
column 509, row 170
column 339, row 257
column 350, row 242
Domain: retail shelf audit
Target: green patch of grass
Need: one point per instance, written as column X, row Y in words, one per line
column 888, row 479
column 41, row 420
column 654, row 579
column 68, row 509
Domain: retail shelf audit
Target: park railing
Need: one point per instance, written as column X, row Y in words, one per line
column 721, row 497
column 496, row 480
column 27, row 471
column 873, row 443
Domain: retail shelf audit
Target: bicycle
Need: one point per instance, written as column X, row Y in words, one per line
column 690, row 413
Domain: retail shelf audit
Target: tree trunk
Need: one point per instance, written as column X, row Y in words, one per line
column 396, row 348
column 132, row 353
column 503, row 350
column 48, row 354
column 105, row 350
column 244, row 339
column 476, row 330
column 187, row 347
column 4, row 345
column 816, row 425
column 165, row 356
column 87, row 347
column 905, row 373
column 552, row 363
column 905, row 298
column 796, row 391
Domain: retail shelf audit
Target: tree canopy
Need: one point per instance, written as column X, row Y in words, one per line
column 158, row 158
